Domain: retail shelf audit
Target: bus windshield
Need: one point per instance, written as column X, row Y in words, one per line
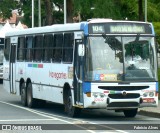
column 120, row 58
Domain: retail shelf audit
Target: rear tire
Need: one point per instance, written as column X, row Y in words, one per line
column 70, row 109
column 23, row 95
column 130, row 113
column 31, row 102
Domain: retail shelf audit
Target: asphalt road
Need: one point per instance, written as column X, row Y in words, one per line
column 13, row 116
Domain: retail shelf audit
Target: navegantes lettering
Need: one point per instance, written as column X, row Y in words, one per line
column 58, row 75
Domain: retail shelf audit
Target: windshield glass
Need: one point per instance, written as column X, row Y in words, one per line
column 139, row 58
column 120, row 58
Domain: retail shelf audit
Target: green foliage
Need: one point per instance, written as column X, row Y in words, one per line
column 128, row 9
column 117, row 9
column 157, row 31
column 153, row 11
column 114, row 9
column 106, row 9
column 6, row 7
column 84, row 8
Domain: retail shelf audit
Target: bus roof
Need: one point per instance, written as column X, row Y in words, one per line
column 65, row 27
column 47, row 29
column 105, row 20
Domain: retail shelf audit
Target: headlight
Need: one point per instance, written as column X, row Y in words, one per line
column 102, row 95
column 98, row 94
column 95, row 94
column 145, row 94
column 151, row 94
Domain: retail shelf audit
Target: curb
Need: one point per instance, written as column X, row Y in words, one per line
column 150, row 114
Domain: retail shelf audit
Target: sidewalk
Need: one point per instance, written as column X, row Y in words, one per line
column 150, row 111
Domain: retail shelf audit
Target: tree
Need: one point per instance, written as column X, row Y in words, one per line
column 49, row 12
column 69, row 11
column 52, row 10
column 6, row 7
column 107, row 9
column 85, row 9
column 140, row 7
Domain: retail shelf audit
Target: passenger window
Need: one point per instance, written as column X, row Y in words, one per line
column 58, row 40
column 68, row 47
column 7, row 48
column 48, row 48
column 29, row 48
column 21, row 49
column 38, row 45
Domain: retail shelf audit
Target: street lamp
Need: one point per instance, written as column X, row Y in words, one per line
column 39, row 13
column 32, row 13
column 65, row 12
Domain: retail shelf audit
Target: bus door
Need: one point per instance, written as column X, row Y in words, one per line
column 78, row 71
column 12, row 65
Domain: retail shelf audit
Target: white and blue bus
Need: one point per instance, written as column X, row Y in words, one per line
column 97, row 64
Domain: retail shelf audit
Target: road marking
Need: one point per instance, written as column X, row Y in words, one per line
column 77, row 121
column 43, row 114
column 27, row 120
column 54, row 117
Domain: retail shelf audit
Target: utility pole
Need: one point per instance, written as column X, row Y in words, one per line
column 65, row 12
column 32, row 13
column 39, row 13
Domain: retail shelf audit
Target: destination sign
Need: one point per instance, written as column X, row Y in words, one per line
column 127, row 29
column 120, row 28
column 1, row 40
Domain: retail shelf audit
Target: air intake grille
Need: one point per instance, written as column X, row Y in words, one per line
column 121, row 96
column 123, row 104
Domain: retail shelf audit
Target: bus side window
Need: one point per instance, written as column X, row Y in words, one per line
column 38, row 44
column 7, row 48
column 29, row 48
column 68, row 47
column 48, row 47
column 58, row 40
column 21, row 49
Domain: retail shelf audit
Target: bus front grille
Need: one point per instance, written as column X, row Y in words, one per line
column 123, row 104
column 121, row 96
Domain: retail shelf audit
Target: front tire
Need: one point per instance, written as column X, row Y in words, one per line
column 70, row 109
column 23, row 95
column 130, row 113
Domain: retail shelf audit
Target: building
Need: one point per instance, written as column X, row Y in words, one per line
column 13, row 20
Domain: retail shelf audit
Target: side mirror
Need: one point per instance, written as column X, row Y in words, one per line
column 81, row 50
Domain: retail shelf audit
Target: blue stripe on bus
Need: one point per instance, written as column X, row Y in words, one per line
column 157, row 87
column 86, row 87
column 84, row 27
column 29, row 65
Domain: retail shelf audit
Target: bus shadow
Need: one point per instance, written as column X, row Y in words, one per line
column 94, row 114
column 86, row 114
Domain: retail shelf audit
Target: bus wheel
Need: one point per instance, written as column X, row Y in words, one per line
column 70, row 109
column 23, row 95
column 31, row 102
column 130, row 113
